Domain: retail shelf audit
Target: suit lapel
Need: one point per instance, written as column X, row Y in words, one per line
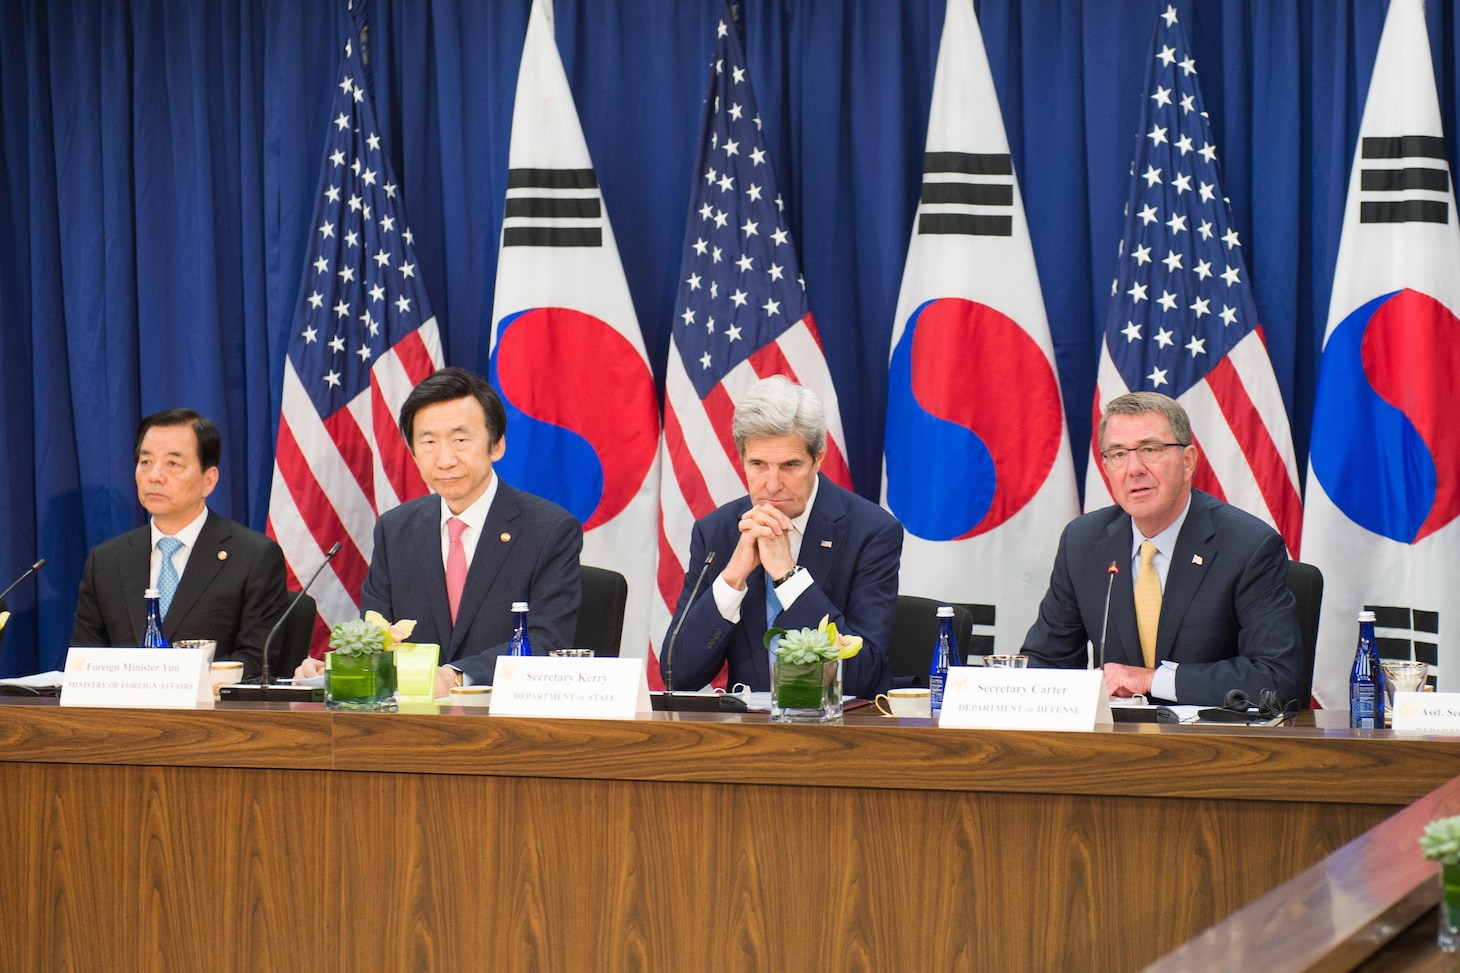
column 204, row 562
column 1196, row 542
column 486, row 563
column 136, row 568
column 825, row 531
column 755, row 629
column 1123, row 641
column 427, row 527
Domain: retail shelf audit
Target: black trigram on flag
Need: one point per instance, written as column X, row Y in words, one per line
column 1387, row 193
column 553, row 208
column 967, row 192
column 1408, row 633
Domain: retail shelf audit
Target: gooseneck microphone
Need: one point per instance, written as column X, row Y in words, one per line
column 674, row 636
column 1113, row 570
column 28, row 572
column 264, row 676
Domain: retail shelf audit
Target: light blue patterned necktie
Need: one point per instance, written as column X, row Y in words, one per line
column 167, row 576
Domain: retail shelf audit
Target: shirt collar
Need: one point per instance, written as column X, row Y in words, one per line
column 188, row 535
column 798, row 524
column 1165, row 541
column 475, row 516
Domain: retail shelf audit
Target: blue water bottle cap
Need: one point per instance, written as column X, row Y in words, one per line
column 1366, row 616
column 945, row 611
column 519, row 606
column 150, row 593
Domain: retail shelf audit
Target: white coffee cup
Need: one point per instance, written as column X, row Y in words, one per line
column 226, row 673
column 904, row 702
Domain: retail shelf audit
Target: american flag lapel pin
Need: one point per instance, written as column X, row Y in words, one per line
column 1196, row 559
column 826, row 544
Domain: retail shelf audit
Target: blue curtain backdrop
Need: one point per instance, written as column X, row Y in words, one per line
column 159, row 160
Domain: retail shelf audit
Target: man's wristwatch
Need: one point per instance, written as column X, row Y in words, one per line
column 788, row 575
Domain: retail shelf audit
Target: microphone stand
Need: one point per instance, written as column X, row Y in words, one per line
column 667, row 700
column 1112, row 570
column 28, row 572
column 263, row 691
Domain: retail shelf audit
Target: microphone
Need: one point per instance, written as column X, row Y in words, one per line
column 674, row 636
column 264, row 676
column 1112, row 570
column 722, row 703
column 28, row 572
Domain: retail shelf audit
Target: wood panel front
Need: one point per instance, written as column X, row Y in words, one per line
column 264, row 839
column 553, row 874
column 159, row 868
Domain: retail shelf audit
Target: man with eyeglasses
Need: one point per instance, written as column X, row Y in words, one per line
column 1199, row 602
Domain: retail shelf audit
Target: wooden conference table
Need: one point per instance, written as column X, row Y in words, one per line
column 270, row 837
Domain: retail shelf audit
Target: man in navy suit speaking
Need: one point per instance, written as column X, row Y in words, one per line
column 798, row 547
column 456, row 559
column 1199, row 603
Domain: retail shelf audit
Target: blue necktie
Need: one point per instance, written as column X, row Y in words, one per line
column 167, row 576
column 772, row 608
column 772, row 603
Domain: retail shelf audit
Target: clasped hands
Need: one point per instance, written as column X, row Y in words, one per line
column 765, row 542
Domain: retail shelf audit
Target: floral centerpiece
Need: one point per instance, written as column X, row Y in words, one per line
column 360, row 668
column 1441, row 842
column 806, row 674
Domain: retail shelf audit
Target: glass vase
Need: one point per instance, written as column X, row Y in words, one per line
column 806, row 692
column 365, row 682
column 1450, row 908
column 415, row 671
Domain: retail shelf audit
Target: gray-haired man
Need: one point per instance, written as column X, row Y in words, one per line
column 798, row 547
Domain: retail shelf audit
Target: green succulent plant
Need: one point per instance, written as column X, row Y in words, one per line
column 358, row 637
column 1441, row 841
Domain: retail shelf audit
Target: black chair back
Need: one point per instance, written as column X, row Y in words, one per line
column 915, row 632
column 1306, row 583
column 601, row 612
column 291, row 645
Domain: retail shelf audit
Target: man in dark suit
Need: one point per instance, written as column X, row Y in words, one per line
column 219, row 580
column 821, row 549
column 1200, row 604
column 456, row 560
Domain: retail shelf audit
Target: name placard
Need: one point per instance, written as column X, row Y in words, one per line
column 1025, row 699
column 1427, row 712
column 587, row 689
column 162, row 678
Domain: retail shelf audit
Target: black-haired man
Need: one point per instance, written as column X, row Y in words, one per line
column 219, row 579
column 456, row 561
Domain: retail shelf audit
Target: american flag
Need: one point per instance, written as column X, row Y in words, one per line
column 1182, row 317
column 741, row 315
column 363, row 335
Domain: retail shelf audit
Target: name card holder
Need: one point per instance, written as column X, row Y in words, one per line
column 585, row 689
column 1427, row 712
column 149, row 678
column 1025, row 699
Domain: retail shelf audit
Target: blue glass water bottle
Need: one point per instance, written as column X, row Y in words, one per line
column 152, row 637
column 1366, row 680
column 945, row 654
column 520, row 644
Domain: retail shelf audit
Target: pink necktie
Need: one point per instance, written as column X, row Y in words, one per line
column 455, row 565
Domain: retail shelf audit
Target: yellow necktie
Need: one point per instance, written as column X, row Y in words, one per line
column 1148, row 604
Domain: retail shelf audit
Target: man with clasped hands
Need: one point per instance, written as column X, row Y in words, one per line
column 1199, row 603
column 797, row 548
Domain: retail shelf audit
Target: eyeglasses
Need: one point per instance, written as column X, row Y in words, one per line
column 1116, row 457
